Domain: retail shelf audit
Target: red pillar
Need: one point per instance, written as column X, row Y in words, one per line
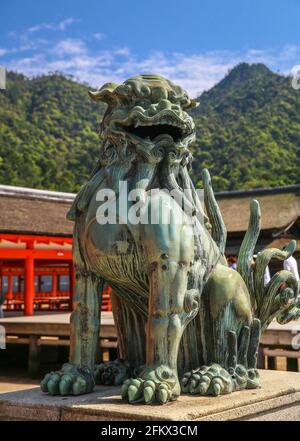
column 29, row 286
column 9, row 287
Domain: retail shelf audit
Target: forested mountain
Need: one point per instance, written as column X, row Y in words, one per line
column 248, row 131
column 48, row 133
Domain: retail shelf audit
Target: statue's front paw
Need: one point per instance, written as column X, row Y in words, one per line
column 153, row 385
column 70, row 380
column 207, row 380
column 113, row 372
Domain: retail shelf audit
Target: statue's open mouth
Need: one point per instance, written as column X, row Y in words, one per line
column 153, row 131
column 148, row 128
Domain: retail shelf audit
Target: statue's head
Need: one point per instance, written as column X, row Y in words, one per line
column 148, row 113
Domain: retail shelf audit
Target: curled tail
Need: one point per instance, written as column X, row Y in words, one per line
column 278, row 298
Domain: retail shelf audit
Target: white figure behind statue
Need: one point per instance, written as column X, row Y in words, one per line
column 290, row 264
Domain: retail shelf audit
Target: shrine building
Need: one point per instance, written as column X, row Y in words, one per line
column 36, row 271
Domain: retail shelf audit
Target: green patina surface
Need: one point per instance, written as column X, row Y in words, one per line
column 185, row 321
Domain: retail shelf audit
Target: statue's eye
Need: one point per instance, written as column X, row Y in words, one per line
column 145, row 91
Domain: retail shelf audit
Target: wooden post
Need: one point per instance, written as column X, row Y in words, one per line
column 29, row 286
column 34, row 356
column 260, row 358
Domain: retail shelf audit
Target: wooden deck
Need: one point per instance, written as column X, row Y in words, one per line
column 53, row 329
column 52, row 324
column 282, row 335
column 58, row 324
column 280, row 346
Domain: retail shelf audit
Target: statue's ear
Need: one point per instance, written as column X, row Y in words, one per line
column 191, row 105
column 105, row 94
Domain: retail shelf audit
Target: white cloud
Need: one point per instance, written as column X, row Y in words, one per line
column 61, row 26
column 99, row 36
column 3, row 51
column 195, row 72
column 69, row 46
column 125, row 51
column 27, row 40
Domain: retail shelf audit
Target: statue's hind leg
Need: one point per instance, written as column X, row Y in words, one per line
column 230, row 338
column 130, row 326
column 237, row 373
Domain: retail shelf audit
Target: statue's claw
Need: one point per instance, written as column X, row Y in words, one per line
column 215, row 380
column 253, row 381
column 149, row 388
column 154, row 385
column 207, row 380
column 70, row 380
column 113, row 373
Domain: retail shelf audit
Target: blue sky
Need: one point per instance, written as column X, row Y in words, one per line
column 193, row 42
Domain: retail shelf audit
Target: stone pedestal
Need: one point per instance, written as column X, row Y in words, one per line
column 278, row 399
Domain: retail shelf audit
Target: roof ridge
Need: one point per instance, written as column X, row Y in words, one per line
column 59, row 196
column 259, row 191
column 33, row 193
